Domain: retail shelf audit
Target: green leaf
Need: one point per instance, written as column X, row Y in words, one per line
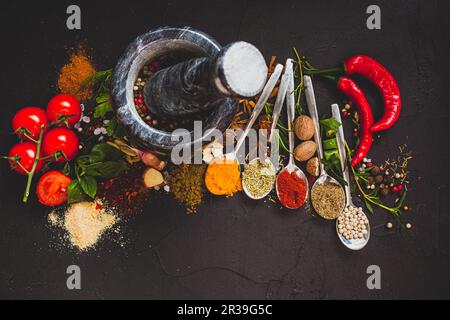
column 89, row 186
column 103, row 108
column 369, row 206
column 107, row 170
column 330, row 144
column 104, row 152
column 75, row 192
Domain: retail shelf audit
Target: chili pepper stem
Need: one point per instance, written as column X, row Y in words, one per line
column 323, row 71
column 33, row 169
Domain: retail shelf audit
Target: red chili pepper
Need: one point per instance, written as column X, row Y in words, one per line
column 354, row 92
column 385, row 82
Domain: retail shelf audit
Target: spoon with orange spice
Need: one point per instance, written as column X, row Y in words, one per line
column 223, row 176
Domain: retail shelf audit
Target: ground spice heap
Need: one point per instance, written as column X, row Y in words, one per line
column 328, row 200
column 85, row 223
column 292, row 190
column 223, row 178
column 187, row 185
column 72, row 76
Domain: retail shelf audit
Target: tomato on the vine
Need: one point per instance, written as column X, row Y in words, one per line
column 62, row 143
column 52, row 188
column 22, row 156
column 64, row 105
column 29, row 121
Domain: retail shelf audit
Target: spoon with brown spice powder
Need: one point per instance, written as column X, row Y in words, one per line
column 327, row 195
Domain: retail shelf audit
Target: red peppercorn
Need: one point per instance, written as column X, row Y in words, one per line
column 345, row 114
column 394, row 189
column 369, row 165
column 400, row 187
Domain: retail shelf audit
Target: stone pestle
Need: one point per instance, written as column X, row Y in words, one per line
column 194, row 86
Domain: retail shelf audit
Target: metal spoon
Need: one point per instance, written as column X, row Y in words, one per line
column 267, row 91
column 351, row 244
column 312, row 108
column 291, row 167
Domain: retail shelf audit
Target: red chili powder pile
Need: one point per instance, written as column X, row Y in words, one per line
column 291, row 189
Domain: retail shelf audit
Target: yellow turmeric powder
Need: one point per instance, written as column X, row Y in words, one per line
column 223, row 178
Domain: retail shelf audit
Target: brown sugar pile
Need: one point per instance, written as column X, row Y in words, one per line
column 85, row 223
column 72, row 76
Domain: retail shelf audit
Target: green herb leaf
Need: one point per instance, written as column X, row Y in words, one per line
column 89, row 186
column 75, row 193
column 104, row 152
column 369, row 206
column 103, row 107
column 107, row 170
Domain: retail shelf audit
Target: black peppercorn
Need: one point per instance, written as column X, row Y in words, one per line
column 385, row 192
column 387, row 180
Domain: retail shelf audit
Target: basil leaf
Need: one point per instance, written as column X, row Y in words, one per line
column 89, row 185
column 83, row 161
column 107, row 170
column 75, row 193
column 104, row 152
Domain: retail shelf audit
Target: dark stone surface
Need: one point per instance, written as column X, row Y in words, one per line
column 237, row 248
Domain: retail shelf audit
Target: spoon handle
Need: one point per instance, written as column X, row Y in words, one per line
column 340, row 137
column 279, row 102
column 290, row 110
column 312, row 108
column 267, row 91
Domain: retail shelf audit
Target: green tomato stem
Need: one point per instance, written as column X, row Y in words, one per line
column 33, row 169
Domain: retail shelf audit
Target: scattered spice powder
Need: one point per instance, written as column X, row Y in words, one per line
column 223, row 178
column 292, row 190
column 328, row 200
column 187, row 185
column 85, row 223
column 73, row 75
column 127, row 193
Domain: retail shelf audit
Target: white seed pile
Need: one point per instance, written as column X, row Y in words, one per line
column 352, row 223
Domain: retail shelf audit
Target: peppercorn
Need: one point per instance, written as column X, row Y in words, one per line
column 408, row 226
column 379, row 179
column 375, row 171
column 406, row 208
column 370, row 180
column 382, row 186
column 389, row 225
column 387, row 180
column 385, row 192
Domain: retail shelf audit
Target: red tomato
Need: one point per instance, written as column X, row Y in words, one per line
column 64, row 105
column 60, row 140
column 26, row 153
column 52, row 188
column 31, row 119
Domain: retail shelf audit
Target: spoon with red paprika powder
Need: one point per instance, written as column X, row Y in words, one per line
column 292, row 183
